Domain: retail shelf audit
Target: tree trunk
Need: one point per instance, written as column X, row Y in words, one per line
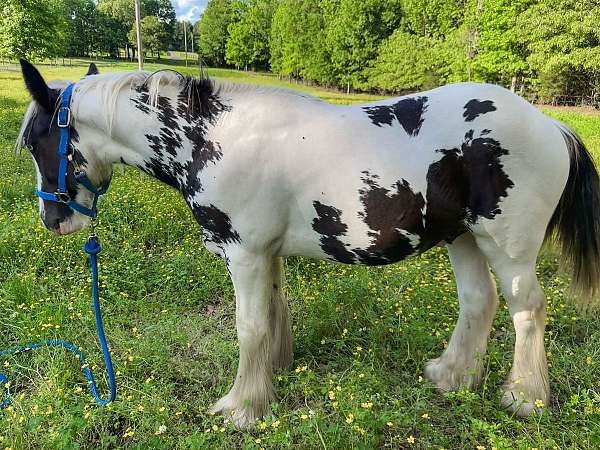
column 513, row 84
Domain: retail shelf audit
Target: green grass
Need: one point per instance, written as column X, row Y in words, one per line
column 362, row 335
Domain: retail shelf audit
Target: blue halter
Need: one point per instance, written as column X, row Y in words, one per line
column 63, row 120
column 92, row 247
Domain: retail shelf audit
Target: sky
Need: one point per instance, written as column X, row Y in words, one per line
column 189, row 10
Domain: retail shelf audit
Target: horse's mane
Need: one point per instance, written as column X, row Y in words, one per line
column 197, row 90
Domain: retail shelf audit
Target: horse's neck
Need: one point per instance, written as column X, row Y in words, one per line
column 174, row 144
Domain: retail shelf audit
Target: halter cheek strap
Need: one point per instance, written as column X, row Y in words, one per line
column 63, row 121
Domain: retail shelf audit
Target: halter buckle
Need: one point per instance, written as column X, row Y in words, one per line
column 62, row 197
column 63, row 118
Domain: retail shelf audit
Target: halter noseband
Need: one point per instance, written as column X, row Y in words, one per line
column 63, row 121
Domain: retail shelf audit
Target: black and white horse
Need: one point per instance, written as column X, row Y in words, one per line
column 270, row 173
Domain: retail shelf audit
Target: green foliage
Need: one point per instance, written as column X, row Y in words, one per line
column 164, row 11
column 178, row 42
column 298, row 41
column 543, row 48
column 354, row 30
column 121, row 14
column 213, row 30
column 433, row 18
column 82, row 26
column 117, row 17
column 501, row 51
column 248, row 43
column 153, row 35
column 33, row 29
column 403, row 64
column 563, row 39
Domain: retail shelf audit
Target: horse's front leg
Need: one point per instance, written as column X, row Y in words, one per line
column 252, row 392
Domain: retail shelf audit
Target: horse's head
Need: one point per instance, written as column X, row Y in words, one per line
column 40, row 134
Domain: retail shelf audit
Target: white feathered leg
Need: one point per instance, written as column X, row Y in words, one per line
column 461, row 363
column 252, row 392
column 527, row 389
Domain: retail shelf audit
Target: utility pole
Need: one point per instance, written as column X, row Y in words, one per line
column 138, row 32
column 192, row 38
column 185, row 40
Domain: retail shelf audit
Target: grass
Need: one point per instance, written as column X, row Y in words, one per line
column 362, row 335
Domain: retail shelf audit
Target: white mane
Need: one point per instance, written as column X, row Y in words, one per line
column 112, row 85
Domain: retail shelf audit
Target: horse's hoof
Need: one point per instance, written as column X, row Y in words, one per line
column 243, row 417
column 518, row 403
column 446, row 377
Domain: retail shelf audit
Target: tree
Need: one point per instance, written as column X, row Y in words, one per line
column 82, row 26
column 213, row 30
column 164, row 11
column 153, row 35
column 32, row 29
column 433, row 18
column 248, row 42
column 563, row 39
column 501, row 53
column 298, row 41
column 122, row 13
column 403, row 64
column 354, row 31
column 118, row 17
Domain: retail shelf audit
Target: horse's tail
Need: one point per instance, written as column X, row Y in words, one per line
column 576, row 219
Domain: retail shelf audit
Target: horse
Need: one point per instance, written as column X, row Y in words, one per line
column 270, row 173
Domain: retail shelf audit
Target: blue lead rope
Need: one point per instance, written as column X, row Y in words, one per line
column 92, row 247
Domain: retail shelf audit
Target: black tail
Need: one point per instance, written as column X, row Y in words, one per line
column 576, row 219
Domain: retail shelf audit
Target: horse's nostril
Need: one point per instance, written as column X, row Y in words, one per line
column 53, row 224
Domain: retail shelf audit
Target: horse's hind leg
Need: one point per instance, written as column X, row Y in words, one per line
column 282, row 351
column 461, row 363
column 252, row 392
column 511, row 248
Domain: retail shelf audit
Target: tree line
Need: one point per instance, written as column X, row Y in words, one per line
column 546, row 48
column 40, row 29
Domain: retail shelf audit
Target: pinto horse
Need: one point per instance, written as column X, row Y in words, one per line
column 270, row 173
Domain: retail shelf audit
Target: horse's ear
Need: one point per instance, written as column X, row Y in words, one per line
column 37, row 87
column 92, row 70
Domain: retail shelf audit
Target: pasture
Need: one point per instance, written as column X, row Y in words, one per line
column 362, row 335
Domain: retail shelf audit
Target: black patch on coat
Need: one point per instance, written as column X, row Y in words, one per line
column 200, row 113
column 187, row 116
column 467, row 183
column 475, row 108
column 216, row 224
column 472, row 175
column 409, row 112
column 387, row 213
column 447, row 196
column 142, row 100
column 196, row 99
column 329, row 225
